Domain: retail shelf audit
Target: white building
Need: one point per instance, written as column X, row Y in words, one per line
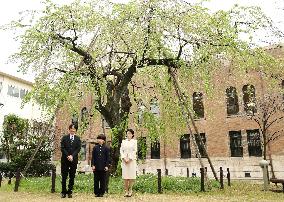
column 12, row 91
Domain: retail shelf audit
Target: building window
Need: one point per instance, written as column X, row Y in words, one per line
column 10, row 90
column 74, row 121
column 236, row 143
column 254, row 143
column 198, row 107
column 249, row 99
column 23, row 93
column 155, row 150
column 154, row 107
column 83, row 153
column 16, row 92
column 198, row 142
column 141, row 108
column 84, row 115
column 104, row 123
column 232, row 101
column 142, row 148
column 185, row 151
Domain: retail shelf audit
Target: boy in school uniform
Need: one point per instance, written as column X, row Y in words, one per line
column 100, row 165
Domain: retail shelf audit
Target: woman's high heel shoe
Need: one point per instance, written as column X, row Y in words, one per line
column 130, row 193
column 126, row 194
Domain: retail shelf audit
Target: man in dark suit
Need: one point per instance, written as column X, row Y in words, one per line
column 70, row 148
column 100, row 165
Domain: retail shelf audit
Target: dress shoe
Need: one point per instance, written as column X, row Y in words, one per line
column 63, row 195
column 69, row 195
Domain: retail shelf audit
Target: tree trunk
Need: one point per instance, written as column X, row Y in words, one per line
column 264, row 145
column 115, row 153
column 114, row 159
column 116, row 112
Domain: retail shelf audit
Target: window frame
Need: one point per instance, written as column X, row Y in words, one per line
column 236, row 151
column 255, row 150
column 198, row 105
column 185, row 153
column 156, row 151
column 249, row 97
column 154, row 107
column 232, row 101
column 84, row 114
column 200, row 149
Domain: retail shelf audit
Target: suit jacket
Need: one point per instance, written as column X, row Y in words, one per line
column 70, row 149
column 101, row 157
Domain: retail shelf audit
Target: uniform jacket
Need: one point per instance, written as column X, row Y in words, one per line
column 101, row 157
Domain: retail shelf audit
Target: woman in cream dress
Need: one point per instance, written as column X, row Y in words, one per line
column 128, row 152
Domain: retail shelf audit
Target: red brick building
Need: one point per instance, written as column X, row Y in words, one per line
column 232, row 140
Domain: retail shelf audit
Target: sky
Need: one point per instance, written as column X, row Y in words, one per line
column 10, row 11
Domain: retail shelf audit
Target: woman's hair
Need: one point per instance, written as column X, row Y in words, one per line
column 131, row 131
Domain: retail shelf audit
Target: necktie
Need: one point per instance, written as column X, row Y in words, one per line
column 72, row 139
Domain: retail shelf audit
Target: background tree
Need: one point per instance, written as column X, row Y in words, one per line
column 270, row 119
column 99, row 47
column 21, row 138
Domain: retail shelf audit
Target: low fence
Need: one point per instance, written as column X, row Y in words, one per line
column 203, row 178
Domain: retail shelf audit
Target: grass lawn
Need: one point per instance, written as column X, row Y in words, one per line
column 38, row 189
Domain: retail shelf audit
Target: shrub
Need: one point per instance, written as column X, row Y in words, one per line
column 6, row 168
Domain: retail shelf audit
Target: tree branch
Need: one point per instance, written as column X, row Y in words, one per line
column 87, row 57
column 273, row 137
column 275, row 120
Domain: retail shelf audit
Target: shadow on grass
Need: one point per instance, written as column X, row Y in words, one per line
column 277, row 191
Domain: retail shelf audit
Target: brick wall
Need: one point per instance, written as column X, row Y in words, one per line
column 216, row 125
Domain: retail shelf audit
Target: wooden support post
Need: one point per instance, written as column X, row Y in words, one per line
column 202, row 179
column 229, row 177
column 10, row 177
column 221, row 178
column 18, row 178
column 189, row 118
column 166, row 172
column 159, row 181
column 187, row 172
column 0, row 179
column 53, row 178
